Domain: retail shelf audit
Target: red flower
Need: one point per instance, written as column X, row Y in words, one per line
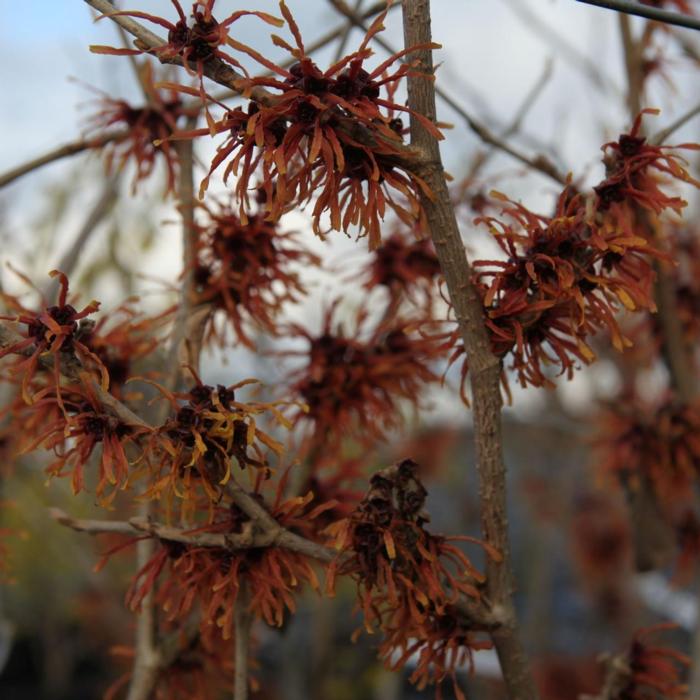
column 148, row 131
column 75, row 431
column 324, row 136
column 55, row 331
column 408, row 579
column 655, row 442
column 353, row 383
column 405, row 268
column 245, row 270
column 633, row 166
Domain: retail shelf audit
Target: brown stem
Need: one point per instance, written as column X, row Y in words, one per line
column 484, row 366
column 68, row 149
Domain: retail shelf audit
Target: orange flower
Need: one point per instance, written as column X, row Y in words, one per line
column 350, row 383
column 55, row 331
column 209, row 429
column 148, row 130
column 245, row 270
column 408, row 579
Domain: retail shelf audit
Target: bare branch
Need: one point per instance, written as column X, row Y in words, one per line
column 71, row 257
column 663, row 135
column 484, row 366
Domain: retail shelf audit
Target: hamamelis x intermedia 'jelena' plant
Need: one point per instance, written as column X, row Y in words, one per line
column 249, row 495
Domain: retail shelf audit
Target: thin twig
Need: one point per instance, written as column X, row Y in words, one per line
column 515, row 124
column 657, row 14
column 484, row 366
column 340, row 49
column 65, row 151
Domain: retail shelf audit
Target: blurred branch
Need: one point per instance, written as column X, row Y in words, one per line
column 532, row 95
column 617, row 677
column 661, row 136
column 101, row 209
column 533, row 22
column 68, row 149
column 647, row 11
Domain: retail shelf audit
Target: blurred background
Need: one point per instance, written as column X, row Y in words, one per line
column 549, row 74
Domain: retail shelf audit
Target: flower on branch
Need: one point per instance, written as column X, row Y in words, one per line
column 73, row 427
column 56, row 331
column 404, row 267
column 193, row 451
column 212, row 578
column 408, row 579
column 658, row 442
column 327, row 136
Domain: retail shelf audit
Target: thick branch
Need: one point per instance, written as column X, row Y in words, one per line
column 484, row 366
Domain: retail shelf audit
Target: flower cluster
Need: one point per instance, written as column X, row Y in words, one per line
column 353, row 383
column 246, row 269
column 213, row 578
column 655, row 442
column 651, row 671
column 566, row 276
column 207, row 430
column 633, row 167
column 56, row 332
column 73, row 426
column 146, row 131
column 409, row 580
column 327, row 136
column 405, row 268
